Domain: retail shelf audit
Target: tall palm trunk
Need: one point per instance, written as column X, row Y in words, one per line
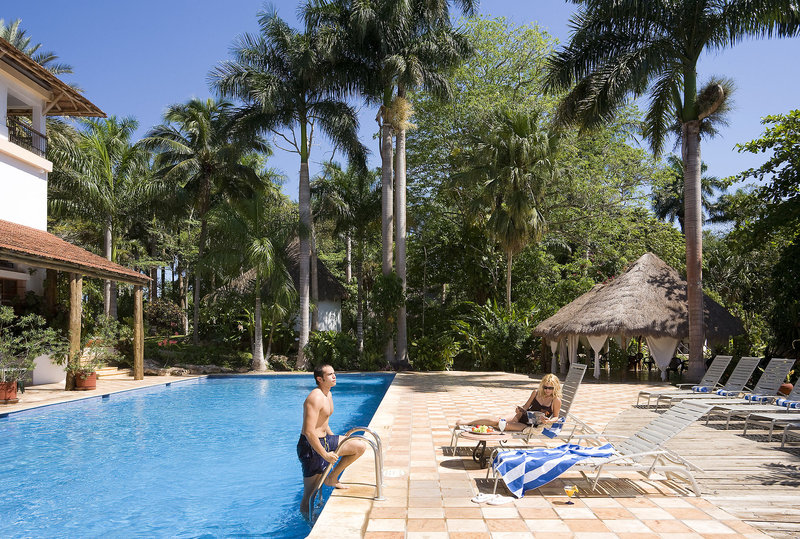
column 304, row 202
column 183, row 300
column 107, row 252
column 387, row 201
column 508, row 281
column 314, row 281
column 348, row 270
column 360, row 297
column 269, row 340
column 258, row 364
column 196, row 297
column 400, row 242
column 694, row 246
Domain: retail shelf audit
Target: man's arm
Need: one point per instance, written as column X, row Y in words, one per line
column 310, row 416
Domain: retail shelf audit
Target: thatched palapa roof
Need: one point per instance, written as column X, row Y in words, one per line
column 649, row 299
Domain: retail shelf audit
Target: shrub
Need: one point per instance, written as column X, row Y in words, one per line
column 335, row 348
column 433, row 353
column 163, row 316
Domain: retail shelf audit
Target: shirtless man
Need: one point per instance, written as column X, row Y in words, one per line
column 317, row 444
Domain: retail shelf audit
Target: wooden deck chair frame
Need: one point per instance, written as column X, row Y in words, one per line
column 735, row 385
column 767, row 385
column 568, row 390
column 634, row 452
column 711, row 380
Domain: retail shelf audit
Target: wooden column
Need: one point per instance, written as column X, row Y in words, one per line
column 138, row 334
column 75, row 310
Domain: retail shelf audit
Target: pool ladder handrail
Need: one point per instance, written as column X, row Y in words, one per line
column 377, row 448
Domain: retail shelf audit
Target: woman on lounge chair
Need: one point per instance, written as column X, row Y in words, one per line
column 546, row 399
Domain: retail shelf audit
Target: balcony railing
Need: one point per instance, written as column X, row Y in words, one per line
column 24, row 135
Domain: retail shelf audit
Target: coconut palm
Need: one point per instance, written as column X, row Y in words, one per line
column 350, row 198
column 248, row 247
column 668, row 199
column 394, row 47
column 287, row 82
column 17, row 36
column 511, row 161
column 101, row 176
column 627, row 49
column 199, row 150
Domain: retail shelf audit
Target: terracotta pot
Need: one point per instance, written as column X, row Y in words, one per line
column 785, row 389
column 8, row 392
column 85, row 382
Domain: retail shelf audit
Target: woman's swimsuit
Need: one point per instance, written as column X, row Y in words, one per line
column 537, row 406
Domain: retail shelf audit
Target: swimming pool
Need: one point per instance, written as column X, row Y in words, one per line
column 206, row 457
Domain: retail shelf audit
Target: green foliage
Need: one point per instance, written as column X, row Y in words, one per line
column 493, row 338
column 387, row 296
column 22, row 339
column 433, row 353
column 333, row 347
column 180, row 351
column 163, row 316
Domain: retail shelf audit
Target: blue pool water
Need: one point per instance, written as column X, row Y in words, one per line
column 201, row 458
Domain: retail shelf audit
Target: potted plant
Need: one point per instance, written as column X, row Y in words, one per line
column 97, row 351
column 22, row 339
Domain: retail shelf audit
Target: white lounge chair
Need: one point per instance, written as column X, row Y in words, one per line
column 765, row 392
column 642, row 452
column 710, row 381
column 771, row 419
column 733, row 387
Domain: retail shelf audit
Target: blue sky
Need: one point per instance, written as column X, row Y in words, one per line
column 135, row 58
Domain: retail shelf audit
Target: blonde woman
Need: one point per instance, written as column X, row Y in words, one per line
column 546, row 398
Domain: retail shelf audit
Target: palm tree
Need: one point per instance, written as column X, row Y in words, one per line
column 101, row 176
column 511, row 161
column 16, row 35
column 350, row 198
column 627, row 49
column 249, row 242
column 668, row 197
column 394, row 46
column 286, row 81
column 200, row 151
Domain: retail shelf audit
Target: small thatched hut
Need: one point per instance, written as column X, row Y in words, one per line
column 648, row 300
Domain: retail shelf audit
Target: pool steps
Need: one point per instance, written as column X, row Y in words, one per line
column 113, row 373
column 377, row 448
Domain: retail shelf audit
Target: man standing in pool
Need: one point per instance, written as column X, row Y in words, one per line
column 318, row 444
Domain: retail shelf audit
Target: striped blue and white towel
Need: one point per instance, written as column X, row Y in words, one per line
column 528, row 469
column 757, row 398
column 700, row 389
column 787, row 403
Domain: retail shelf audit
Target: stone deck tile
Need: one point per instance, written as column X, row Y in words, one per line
column 414, row 422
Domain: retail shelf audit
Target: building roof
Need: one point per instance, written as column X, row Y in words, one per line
column 649, row 299
column 330, row 288
column 64, row 100
column 35, row 247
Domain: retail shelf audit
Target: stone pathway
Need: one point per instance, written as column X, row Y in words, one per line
column 428, row 491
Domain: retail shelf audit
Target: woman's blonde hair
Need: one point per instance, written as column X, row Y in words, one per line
column 550, row 380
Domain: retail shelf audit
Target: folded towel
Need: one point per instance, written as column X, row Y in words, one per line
column 757, row 398
column 700, row 389
column 553, row 430
column 727, row 393
column 528, row 469
column 788, row 403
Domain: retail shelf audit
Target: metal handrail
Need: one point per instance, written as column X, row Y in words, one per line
column 377, row 448
column 26, row 136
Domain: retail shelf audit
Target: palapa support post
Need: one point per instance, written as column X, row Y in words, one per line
column 75, row 312
column 138, row 334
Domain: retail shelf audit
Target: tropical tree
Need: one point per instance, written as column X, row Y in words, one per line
column 351, row 199
column 287, row 82
column 394, row 47
column 102, row 177
column 199, row 151
column 248, row 247
column 17, row 36
column 668, row 192
column 627, row 49
column 512, row 160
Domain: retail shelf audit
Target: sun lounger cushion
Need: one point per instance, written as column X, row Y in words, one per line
column 700, row 389
column 757, row 398
column 529, row 469
column 788, row 403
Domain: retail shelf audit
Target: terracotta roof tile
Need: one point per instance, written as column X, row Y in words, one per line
column 30, row 242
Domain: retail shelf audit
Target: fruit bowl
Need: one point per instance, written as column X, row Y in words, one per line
column 483, row 429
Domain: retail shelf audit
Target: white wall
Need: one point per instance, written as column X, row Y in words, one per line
column 329, row 317
column 23, row 193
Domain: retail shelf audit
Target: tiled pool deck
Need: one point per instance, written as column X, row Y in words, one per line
column 428, row 491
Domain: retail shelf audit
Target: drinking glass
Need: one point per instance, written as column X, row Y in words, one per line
column 501, row 425
column 571, row 491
